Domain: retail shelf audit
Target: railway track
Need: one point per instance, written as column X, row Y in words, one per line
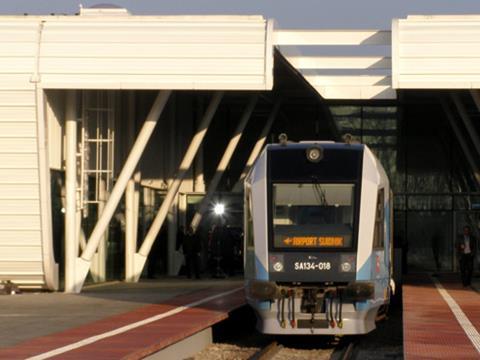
column 344, row 350
column 268, row 352
column 347, row 352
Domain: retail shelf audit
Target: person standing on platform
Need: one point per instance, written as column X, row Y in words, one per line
column 191, row 251
column 466, row 248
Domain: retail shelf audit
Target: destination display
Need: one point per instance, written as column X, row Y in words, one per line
column 313, row 241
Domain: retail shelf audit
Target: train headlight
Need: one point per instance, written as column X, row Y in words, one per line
column 278, row 266
column 347, row 263
column 276, row 263
column 314, row 154
column 346, row 267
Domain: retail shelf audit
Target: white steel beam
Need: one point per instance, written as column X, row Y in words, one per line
column 141, row 256
column 347, row 80
column 262, row 138
column 367, row 92
column 224, row 161
column 332, row 37
column 83, row 263
column 458, row 134
column 341, row 62
column 71, row 247
column 467, row 121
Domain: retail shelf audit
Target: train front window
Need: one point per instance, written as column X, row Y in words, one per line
column 313, row 215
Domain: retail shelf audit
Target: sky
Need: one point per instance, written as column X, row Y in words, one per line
column 332, row 14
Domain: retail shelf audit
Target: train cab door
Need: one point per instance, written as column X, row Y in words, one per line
column 381, row 246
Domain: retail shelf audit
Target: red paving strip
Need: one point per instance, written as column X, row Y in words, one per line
column 430, row 330
column 137, row 342
column 150, row 338
column 468, row 300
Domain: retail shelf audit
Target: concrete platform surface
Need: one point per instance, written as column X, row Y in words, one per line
column 31, row 315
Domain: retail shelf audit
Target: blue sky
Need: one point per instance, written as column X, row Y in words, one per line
column 288, row 13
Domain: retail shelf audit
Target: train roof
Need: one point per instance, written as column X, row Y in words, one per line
column 324, row 144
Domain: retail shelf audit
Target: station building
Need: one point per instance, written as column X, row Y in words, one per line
column 116, row 129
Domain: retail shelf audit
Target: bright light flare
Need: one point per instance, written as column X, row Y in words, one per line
column 219, row 209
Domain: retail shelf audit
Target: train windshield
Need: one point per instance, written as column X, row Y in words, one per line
column 313, row 215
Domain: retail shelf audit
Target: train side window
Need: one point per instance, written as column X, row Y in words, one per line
column 249, row 217
column 379, row 235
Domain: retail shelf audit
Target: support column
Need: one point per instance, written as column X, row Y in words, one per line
column 102, row 246
column 130, row 244
column 262, row 138
column 182, row 209
column 130, row 207
column 222, row 165
column 83, row 263
column 172, row 221
column 71, row 247
column 174, row 145
column 132, row 204
column 141, row 256
column 137, row 178
column 99, row 260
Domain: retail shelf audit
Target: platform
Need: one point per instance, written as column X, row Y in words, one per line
column 441, row 318
column 116, row 321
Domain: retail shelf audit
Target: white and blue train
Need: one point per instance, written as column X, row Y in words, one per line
column 318, row 239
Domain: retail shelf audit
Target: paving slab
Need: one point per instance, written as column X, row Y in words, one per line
column 30, row 315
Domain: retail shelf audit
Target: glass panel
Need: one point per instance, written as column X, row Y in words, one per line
column 381, row 139
column 345, row 110
column 430, row 245
column 380, row 124
column 313, row 215
column 349, row 125
column 427, row 202
column 428, row 183
column 467, row 202
column 379, row 110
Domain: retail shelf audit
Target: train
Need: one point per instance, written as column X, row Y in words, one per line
column 318, row 249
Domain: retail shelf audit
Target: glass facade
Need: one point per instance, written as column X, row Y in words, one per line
column 434, row 190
